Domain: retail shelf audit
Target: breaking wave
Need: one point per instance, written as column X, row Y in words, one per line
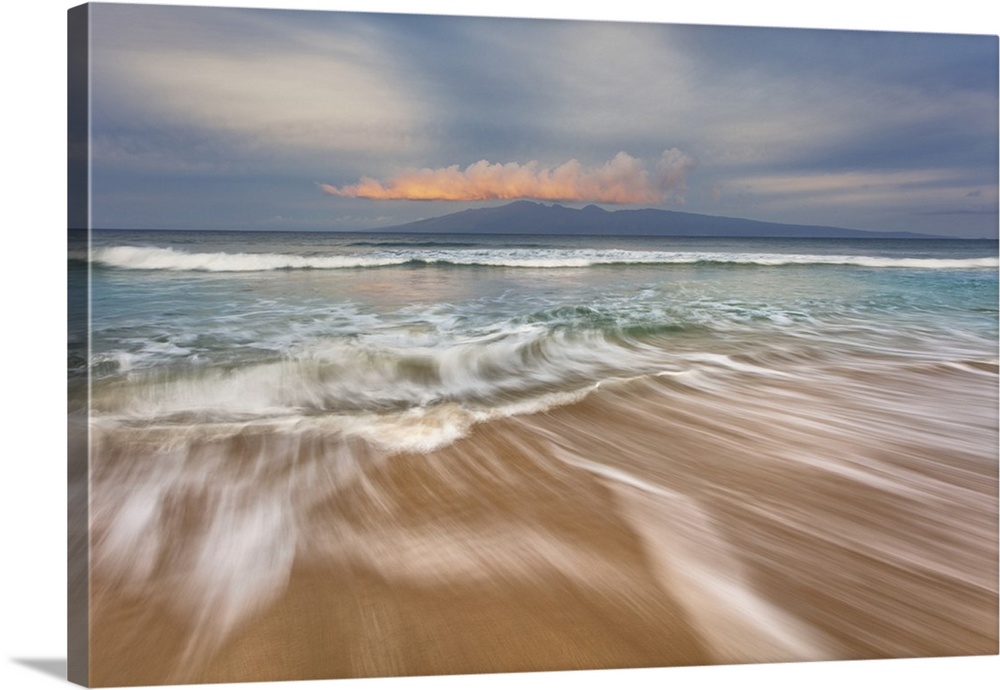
column 167, row 259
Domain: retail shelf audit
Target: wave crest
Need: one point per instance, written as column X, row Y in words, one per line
column 168, row 259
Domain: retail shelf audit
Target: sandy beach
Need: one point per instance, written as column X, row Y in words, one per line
column 654, row 523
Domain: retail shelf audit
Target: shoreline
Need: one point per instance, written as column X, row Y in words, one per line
column 649, row 524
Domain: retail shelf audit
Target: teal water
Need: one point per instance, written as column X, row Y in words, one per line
column 387, row 321
column 236, row 327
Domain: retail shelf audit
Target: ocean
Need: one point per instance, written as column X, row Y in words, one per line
column 386, row 454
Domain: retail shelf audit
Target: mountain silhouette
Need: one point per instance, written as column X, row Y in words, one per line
column 533, row 218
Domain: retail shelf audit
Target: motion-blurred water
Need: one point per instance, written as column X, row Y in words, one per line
column 801, row 435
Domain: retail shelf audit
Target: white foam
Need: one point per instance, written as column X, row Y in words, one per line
column 694, row 563
column 420, row 396
column 165, row 258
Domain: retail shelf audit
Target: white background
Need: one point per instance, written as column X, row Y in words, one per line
column 32, row 332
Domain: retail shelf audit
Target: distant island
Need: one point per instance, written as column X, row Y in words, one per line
column 533, row 218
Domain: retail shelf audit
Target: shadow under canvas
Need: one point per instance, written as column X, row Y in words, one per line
column 50, row 667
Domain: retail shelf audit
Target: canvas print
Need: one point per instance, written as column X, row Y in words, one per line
column 420, row 345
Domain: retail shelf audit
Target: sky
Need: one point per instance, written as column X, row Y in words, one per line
column 243, row 119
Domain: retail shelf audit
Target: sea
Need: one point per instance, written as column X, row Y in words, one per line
column 800, row 435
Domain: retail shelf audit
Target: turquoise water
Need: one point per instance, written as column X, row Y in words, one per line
column 389, row 322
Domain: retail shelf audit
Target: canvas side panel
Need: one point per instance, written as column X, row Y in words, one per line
column 78, row 336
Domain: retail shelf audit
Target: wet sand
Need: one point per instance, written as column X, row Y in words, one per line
column 658, row 522
column 531, row 571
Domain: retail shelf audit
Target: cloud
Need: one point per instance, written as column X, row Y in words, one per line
column 889, row 199
column 622, row 180
column 264, row 84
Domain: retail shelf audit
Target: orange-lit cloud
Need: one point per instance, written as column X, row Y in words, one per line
column 622, row 180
